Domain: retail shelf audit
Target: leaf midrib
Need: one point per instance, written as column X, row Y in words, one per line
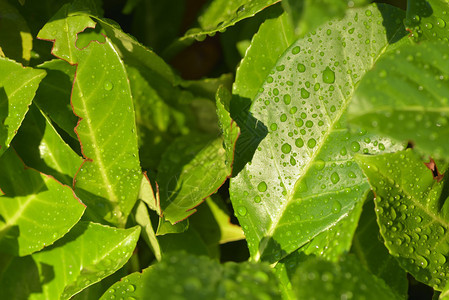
column 264, row 242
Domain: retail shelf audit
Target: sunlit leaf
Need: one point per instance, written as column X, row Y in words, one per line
column 35, row 209
column 87, row 254
column 17, row 88
column 412, row 212
column 406, row 97
column 302, row 179
column 106, row 130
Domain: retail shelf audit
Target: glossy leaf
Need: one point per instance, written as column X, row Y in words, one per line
column 16, row 41
column 87, row 254
column 217, row 16
column 129, row 287
column 193, row 168
column 273, row 38
column 427, row 19
column 53, row 95
column 321, row 279
column 307, row 15
column 106, row 130
column 35, row 209
column 200, row 278
column 147, row 232
column 405, row 97
column 42, row 148
column 329, row 245
column 369, row 248
column 17, row 88
column 412, row 212
column 302, row 179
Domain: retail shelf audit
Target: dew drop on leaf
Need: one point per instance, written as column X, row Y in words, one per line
column 299, row 142
column 336, row 207
column 301, row 68
column 304, row 93
column 286, row 148
column 355, row 147
column 296, row 50
column 262, row 186
column 131, row 288
column 257, row 199
column 328, row 76
column 319, row 164
column 335, row 178
column 108, row 86
column 242, row 211
column 441, row 23
column 311, row 143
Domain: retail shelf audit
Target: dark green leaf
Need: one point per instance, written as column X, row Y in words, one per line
column 369, row 248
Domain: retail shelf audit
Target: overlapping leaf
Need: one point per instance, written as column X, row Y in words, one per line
column 101, row 98
column 17, row 88
column 412, row 212
column 427, row 19
column 41, row 147
column 87, row 254
column 302, row 179
column 35, row 209
column 406, row 97
column 372, row 253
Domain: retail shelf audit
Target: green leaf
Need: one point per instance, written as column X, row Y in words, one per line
column 273, row 38
column 147, row 232
column 427, row 19
column 17, row 88
column 87, row 254
column 16, row 41
column 412, row 212
column 319, row 279
column 129, row 287
column 53, row 95
column 302, row 179
column 200, row 278
column 101, row 98
column 307, row 15
column 328, row 245
column 369, row 248
column 191, row 169
column 217, row 16
column 41, row 147
column 35, row 209
column 405, row 97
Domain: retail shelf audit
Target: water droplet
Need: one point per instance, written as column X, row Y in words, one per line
column 355, row 147
column 368, row 13
column 441, row 23
column 287, row 99
column 283, row 118
column 131, row 288
column 335, row 178
column 262, row 186
column 428, row 25
column 301, row 68
column 257, row 199
column 292, row 161
column 242, row 211
column 336, row 207
column 273, row 127
column 108, row 86
column 328, row 76
column 319, row 164
column 421, row 261
column 311, row 143
column 286, row 148
column 299, row 142
column 296, row 50
column 304, row 93
column 351, row 174
column 309, row 124
column 280, row 68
